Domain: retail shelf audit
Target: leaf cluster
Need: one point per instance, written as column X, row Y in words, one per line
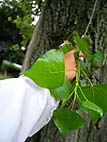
column 49, row 72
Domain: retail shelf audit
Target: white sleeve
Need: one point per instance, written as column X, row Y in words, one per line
column 24, row 109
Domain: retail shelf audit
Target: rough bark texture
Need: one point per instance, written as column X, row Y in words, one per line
column 58, row 20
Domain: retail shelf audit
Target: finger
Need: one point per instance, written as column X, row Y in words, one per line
column 81, row 56
column 70, row 64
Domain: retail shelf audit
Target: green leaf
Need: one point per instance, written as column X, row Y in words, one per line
column 83, row 44
column 49, row 70
column 67, row 120
column 82, row 64
column 63, row 91
column 98, row 59
column 99, row 97
column 66, row 47
column 93, row 110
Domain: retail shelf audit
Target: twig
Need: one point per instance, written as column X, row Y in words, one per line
column 92, row 15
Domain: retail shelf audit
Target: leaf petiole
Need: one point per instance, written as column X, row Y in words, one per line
column 82, row 93
column 90, row 83
column 67, row 99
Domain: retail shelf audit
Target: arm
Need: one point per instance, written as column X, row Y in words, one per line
column 26, row 107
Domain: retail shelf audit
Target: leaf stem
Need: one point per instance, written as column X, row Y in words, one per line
column 65, row 101
column 90, row 83
column 76, row 87
column 87, row 77
column 82, row 93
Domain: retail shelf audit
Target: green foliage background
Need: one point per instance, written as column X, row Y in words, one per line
column 16, row 27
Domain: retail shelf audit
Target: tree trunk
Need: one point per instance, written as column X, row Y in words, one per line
column 58, row 20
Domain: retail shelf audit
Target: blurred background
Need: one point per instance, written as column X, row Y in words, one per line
column 17, row 21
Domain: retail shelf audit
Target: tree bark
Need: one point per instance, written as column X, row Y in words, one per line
column 58, row 20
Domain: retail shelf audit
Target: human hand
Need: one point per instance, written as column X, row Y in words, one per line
column 70, row 64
